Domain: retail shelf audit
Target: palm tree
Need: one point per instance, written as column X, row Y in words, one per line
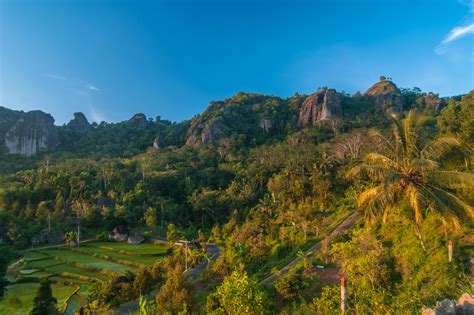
column 409, row 175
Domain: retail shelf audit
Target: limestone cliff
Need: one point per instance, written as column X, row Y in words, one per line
column 385, row 95
column 33, row 132
column 200, row 132
column 8, row 118
column 325, row 104
column 139, row 120
column 79, row 124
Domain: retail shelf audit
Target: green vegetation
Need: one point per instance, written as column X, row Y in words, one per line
column 264, row 191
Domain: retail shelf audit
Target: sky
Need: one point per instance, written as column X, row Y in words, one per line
column 111, row 59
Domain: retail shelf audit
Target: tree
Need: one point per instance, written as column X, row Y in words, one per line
column 44, row 302
column 408, row 174
column 238, row 294
column 177, row 294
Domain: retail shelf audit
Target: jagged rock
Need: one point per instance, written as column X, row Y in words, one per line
column 386, row 96
column 205, row 133
column 464, row 306
column 157, row 143
column 33, row 132
column 8, row 118
column 325, row 104
column 79, row 124
column 266, row 125
column 136, row 239
column 434, row 102
column 139, row 120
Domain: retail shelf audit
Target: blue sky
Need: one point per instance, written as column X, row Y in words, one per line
column 111, row 59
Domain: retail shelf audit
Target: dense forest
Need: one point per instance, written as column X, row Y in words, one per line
column 265, row 179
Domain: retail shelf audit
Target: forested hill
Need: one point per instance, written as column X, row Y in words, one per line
column 243, row 121
column 265, row 178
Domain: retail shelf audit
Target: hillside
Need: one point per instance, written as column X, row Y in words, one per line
column 270, row 181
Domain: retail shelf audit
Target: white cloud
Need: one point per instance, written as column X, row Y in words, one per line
column 92, row 88
column 459, row 32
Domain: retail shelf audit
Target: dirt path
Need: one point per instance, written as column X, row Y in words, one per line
column 345, row 225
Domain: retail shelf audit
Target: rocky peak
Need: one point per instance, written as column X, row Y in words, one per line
column 385, row 95
column 79, row 124
column 139, row 120
column 157, row 143
column 33, row 132
column 325, row 104
column 265, row 125
column 433, row 102
column 199, row 132
column 8, row 118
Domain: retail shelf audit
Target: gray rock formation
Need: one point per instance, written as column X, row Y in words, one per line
column 79, row 124
column 139, row 120
column 325, row 104
column 157, row 143
column 136, row 239
column 385, row 95
column 433, row 102
column 33, row 132
column 8, row 118
column 266, row 125
column 464, row 306
column 208, row 133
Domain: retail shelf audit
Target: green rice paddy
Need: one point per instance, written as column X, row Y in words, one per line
column 70, row 268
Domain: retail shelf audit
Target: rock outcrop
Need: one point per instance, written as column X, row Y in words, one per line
column 158, row 143
column 325, row 104
column 266, row 125
column 464, row 306
column 33, row 132
column 79, row 124
column 385, row 95
column 135, row 239
column 139, row 120
column 433, row 102
column 201, row 133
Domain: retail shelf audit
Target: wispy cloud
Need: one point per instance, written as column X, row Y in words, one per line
column 92, row 88
column 459, row 32
column 467, row 28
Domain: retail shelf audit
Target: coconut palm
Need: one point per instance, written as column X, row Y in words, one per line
column 409, row 175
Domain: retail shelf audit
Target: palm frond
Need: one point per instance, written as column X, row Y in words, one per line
column 438, row 148
column 453, row 179
column 447, row 204
column 424, row 165
column 380, row 160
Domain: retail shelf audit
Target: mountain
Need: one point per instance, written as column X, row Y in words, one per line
column 28, row 133
column 246, row 118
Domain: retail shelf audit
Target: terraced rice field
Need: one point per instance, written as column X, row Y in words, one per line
column 72, row 268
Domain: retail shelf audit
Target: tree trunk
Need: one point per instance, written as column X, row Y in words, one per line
column 420, row 237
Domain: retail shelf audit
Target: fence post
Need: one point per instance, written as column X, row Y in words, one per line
column 343, row 296
column 450, row 250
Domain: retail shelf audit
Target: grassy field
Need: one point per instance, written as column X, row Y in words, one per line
column 75, row 267
column 19, row 297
